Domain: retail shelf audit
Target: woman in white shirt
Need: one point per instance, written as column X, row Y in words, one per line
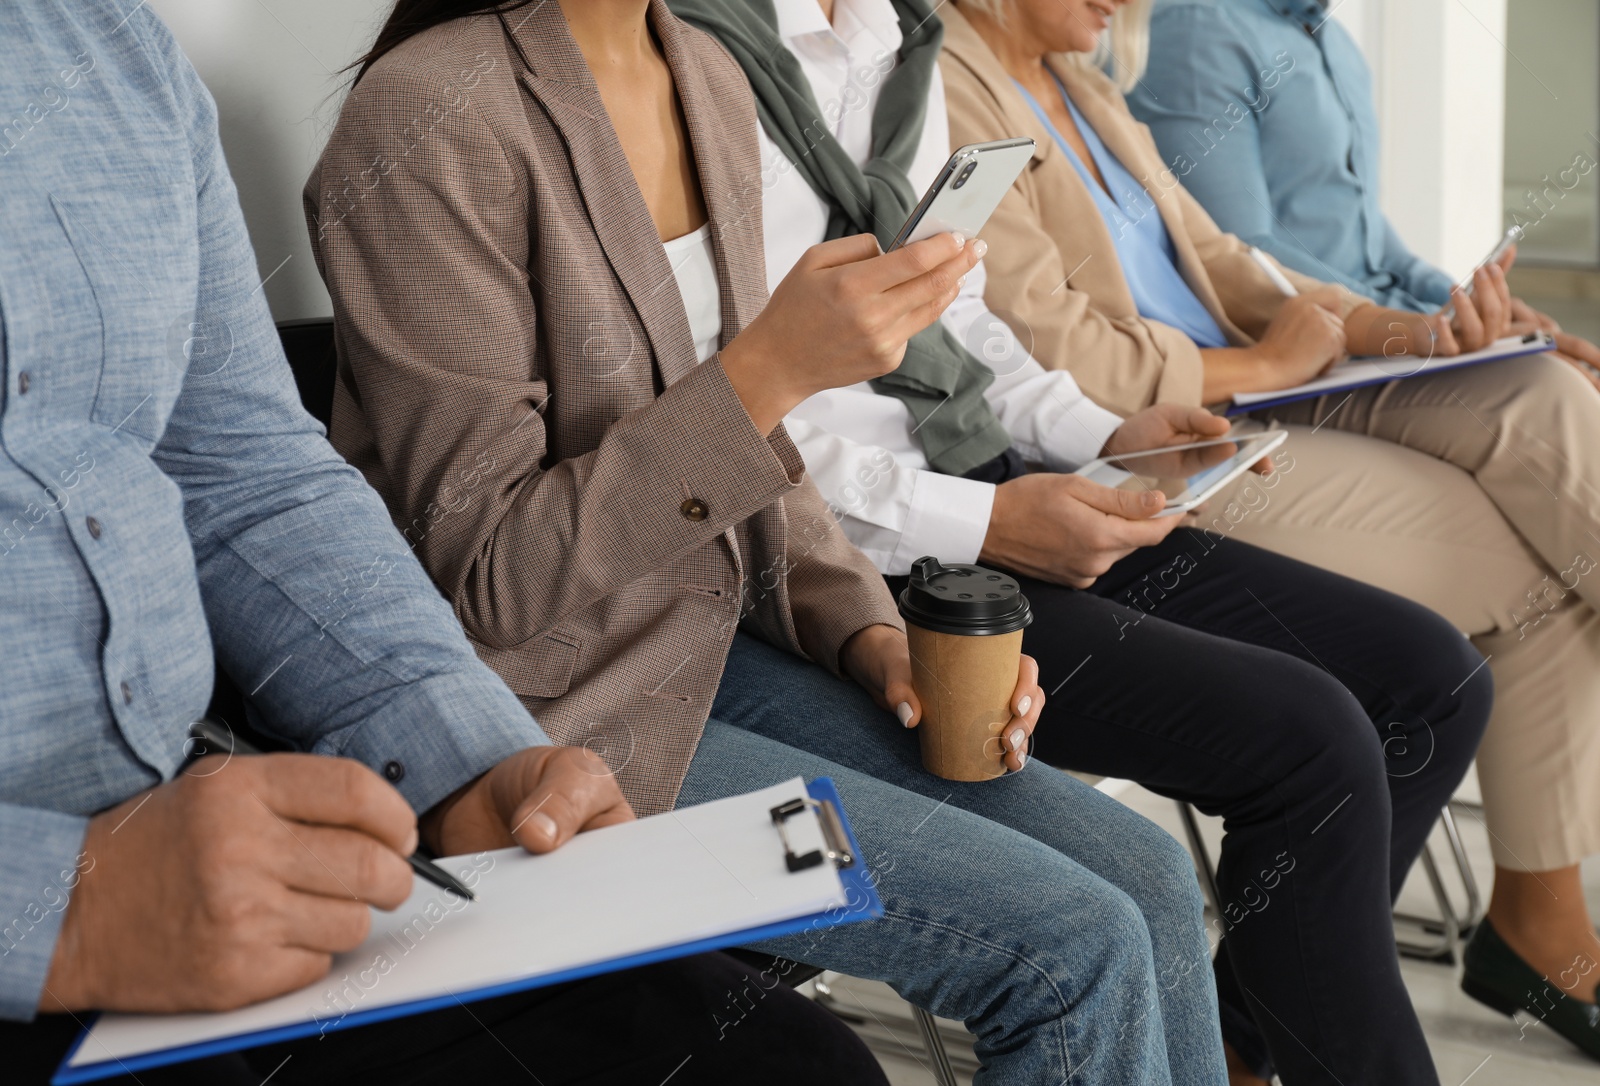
column 1171, row 652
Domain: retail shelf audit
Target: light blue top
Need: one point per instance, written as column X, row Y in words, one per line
column 1144, row 247
column 161, row 487
column 1263, row 109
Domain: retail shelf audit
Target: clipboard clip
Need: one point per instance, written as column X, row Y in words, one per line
column 833, row 835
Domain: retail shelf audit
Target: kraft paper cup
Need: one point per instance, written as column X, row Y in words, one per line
column 964, row 624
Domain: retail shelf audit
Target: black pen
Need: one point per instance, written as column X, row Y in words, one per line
column 214, row 738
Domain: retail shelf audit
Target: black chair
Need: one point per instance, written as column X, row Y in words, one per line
column 309, row 347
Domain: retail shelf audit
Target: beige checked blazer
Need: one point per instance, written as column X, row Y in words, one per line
column 1053, row 272
column 518, row 379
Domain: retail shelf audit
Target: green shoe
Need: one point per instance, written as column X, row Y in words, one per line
column 1496, row 977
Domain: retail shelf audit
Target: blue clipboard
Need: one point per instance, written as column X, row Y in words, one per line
column 861, row 903
column 1532, row 343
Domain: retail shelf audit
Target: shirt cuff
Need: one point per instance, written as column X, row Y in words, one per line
column 948, row 518
column 444, row 731
column 1430, row 285
column 1078, row 435
column 40, row 855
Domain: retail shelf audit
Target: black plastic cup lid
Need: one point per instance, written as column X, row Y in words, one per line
column 963, row 599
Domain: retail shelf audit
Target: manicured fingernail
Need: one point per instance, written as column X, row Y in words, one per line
column 544, row 824
column 979, row 247
column 1017, row 738
column 903, row 711
column 1024, row 705
column 1022, row 761
column 961, row 239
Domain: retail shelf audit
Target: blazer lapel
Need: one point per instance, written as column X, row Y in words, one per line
column 1122, row 137
column 559, row 79
column 729, row 181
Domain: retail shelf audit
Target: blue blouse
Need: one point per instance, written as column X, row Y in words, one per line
column 1144, row 247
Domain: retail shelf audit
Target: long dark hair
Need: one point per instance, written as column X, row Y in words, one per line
column 411, row 17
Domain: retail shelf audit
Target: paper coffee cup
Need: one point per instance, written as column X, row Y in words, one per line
column 964, row 624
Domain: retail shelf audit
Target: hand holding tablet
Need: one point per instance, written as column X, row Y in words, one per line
column 1186, row 475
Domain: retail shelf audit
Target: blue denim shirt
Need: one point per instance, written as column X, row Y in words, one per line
column 1264, row 110
column 161, row 487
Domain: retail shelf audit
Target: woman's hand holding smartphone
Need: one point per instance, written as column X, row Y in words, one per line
column 842, row 315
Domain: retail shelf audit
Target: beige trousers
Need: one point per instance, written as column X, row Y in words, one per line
column 1479, row 498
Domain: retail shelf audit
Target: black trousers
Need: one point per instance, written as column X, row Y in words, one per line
column 698, row 1020
column 1325, row 721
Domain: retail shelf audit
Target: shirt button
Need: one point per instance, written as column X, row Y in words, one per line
column 94, row 526
column 394, row 772
column 23, row 380
column 127, row 693
column 694, row 509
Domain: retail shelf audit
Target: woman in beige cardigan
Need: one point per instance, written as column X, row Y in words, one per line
column 1471, row 491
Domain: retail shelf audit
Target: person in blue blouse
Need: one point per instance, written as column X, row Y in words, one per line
column 1266, row 109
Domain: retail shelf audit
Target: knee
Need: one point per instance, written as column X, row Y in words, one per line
column 1440, row 716
column 1555, row 384
column 1325, row 735
column 1122, row 951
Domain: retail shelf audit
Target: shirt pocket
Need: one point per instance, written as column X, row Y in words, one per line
column 138, row 245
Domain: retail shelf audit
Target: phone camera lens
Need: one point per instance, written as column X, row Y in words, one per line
column 966, row 172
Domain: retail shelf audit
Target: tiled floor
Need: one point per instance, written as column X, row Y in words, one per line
column 1469, row 1041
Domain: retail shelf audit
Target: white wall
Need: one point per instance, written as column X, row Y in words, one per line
column 1438, row 67
column 273, row 67
column 1442, row 111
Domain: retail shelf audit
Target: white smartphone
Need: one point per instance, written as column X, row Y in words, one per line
column 1186, row 474
column 967, row 190
column 1512, row 236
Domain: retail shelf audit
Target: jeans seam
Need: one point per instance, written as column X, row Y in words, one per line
column 1015, row 957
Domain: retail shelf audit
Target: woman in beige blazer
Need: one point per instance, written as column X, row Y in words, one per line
column 540, row 226
column 1472, row 491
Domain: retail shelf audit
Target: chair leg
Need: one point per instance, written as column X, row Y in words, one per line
column 937, row 1055
column 1446, row 934
column 1447, row 909
column 1469, row 881
column 1202, row 857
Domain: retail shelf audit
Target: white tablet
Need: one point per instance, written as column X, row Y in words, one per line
column 1186, row 474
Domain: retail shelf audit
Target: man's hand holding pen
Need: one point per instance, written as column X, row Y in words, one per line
column 240, row 879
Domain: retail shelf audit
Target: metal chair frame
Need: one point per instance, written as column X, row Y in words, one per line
column 1441, row 937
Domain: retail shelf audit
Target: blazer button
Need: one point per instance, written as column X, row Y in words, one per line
column 394, row 772
column 94, row 526
column 694, row 509
column 23, row 380
column 127, row 693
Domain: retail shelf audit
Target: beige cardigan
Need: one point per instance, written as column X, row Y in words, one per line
column 518, row 379
column 1052, row 266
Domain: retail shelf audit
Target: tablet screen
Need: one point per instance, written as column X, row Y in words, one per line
column 1185, row 474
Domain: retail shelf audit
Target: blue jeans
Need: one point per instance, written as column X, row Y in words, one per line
column 1061, row 927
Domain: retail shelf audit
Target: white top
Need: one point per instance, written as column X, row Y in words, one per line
column 694, row 265
column 859, row 446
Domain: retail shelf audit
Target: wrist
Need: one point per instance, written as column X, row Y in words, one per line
column 861, row 655
column 996, row 550
column 70, row 983
column 66, row 988
column 756, row 378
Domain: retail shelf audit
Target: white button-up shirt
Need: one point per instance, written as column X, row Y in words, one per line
column 860, row 447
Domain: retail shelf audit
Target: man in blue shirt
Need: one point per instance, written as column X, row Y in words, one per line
column 1264, row 109
column 163, row 495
